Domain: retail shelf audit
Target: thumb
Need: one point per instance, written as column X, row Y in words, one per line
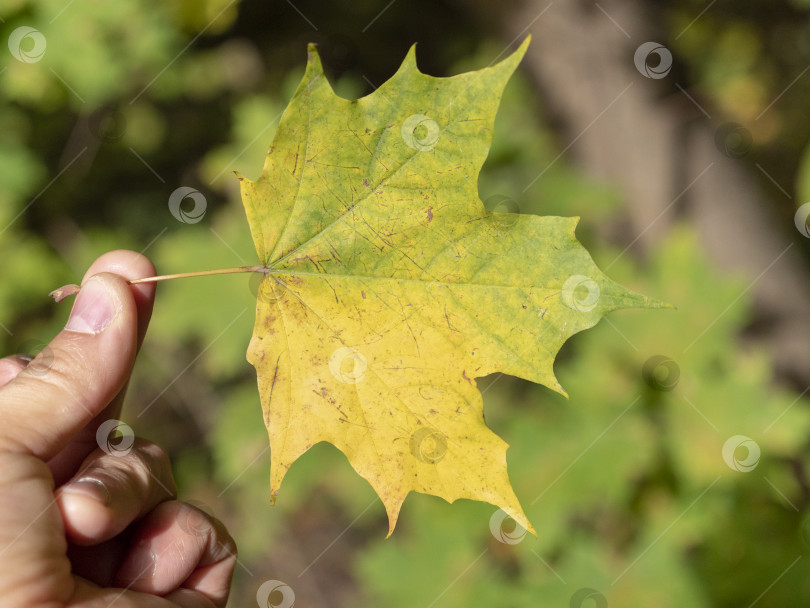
column 82, row 370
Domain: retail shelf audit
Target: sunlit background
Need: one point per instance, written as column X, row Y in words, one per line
column 676, row 473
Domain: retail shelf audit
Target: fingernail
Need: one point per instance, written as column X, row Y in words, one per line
column 90, row 487
column 93, row 310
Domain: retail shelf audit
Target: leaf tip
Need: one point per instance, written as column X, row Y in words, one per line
column 656, row 303
column 519, row 517
column 410, row 58
column 392, row 505
column 531, row 529
column 524, row 45
column 312, row 51
column 515, row 58
column 313, row 59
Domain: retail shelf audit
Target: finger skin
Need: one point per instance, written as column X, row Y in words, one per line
column 90, row 596
column 99, row 563
column 11, row 366
column 111, row 491
column 33, row 568
column 177, row 545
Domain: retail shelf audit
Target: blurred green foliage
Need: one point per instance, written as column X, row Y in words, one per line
column 625, row 482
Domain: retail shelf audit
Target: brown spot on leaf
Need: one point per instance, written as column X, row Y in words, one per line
column 430, row 213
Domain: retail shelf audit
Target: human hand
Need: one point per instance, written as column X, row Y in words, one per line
column 82, row 526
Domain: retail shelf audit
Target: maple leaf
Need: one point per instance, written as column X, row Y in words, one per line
column 390, row 288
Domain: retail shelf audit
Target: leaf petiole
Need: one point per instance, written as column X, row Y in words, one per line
column 69, row 290
column 201, row 273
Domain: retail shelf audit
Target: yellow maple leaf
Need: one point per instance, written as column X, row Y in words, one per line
column 390, row 288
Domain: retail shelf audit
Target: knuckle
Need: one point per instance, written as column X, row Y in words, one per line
column 146, row 469
column 154, row 466
column 152, row 454
column 207, row 530
column 228, row 544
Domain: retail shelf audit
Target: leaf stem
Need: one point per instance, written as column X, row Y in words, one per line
column 69, row 290
column 200, row 273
